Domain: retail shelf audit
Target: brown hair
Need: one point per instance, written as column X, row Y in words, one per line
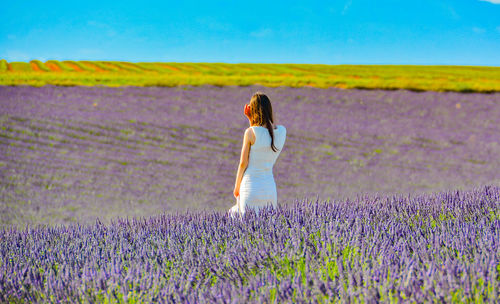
column 262, row 114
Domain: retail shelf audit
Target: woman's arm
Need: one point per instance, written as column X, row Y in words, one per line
column 245, row 152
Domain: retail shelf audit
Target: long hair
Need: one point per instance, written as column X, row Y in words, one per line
column 262, row 114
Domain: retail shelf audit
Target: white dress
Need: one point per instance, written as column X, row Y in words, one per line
column 258, row 187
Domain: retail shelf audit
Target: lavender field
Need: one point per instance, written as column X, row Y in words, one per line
column 72, row 154
column 385, row 197
column 441, row 248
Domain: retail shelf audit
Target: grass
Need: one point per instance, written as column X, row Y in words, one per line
column 117, row 73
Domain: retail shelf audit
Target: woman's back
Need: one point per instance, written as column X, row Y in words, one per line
column 262, row 158
column 258, row 188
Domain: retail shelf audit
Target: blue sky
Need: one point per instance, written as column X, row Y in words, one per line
column 461, row 32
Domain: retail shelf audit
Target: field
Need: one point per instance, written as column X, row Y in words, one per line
column 441, row 248
column 119, row 194
column 72, row 154
column 117, row 73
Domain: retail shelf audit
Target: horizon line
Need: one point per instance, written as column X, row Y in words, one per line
column 282, row 63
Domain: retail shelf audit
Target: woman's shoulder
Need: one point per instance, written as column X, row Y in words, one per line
column 282, row 127
column 250, row 132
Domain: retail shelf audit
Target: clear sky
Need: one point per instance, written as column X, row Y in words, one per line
column 460, row 32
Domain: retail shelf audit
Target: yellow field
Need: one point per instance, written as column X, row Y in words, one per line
column 117, row 73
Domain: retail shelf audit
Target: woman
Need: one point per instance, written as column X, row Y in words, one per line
column 262, row 143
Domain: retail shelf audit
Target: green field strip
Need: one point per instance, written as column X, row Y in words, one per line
column 228, row 69
column 182, row 67
column 195, row 67
column 78, row 66
column 20, row 67
column 157, row 67
column 96, row 66
column 286, row 71
column 111, row 66
column 3, row 65
column 40, row 65
column 386, row 77
column 212, row 69
column 61, row 65
column 318, row 70
column 127, row 66
column 278, row 69
column 240, row 69
column 258, row 68
column 225, row 68
column 161, row 67
column 105, row 66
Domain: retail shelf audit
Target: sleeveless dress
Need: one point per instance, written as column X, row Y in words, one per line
column 258, row 187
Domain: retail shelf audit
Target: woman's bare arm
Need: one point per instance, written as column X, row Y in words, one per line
column 245, row 152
